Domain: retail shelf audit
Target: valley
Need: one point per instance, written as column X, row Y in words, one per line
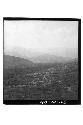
column 49, row 81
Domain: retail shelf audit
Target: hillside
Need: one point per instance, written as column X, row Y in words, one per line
column 11, row 62
column 41, row 82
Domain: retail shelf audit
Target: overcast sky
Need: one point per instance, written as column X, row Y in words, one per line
column 41, row 36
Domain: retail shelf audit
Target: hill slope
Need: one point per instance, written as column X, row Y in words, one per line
column 11, row 62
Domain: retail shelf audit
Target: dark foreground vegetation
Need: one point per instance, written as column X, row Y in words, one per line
column 42, row 82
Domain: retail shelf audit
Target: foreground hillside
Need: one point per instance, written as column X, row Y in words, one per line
column 43, row 82
column 12, row 62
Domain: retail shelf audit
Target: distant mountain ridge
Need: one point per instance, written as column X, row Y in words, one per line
column 18, row 62
column 31, row 53
column 55, row 55
column 48, row 58
column 12, row 61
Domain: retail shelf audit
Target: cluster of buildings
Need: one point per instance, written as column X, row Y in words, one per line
column 40, row 78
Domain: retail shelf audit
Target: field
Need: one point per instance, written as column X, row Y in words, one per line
column 57, row 81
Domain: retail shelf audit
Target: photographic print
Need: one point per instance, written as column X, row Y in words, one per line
column 41, row 61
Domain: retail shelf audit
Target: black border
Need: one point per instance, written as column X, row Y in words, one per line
column 41, row 19
column 49, row 102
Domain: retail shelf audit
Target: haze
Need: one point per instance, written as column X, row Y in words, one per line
column 30, row 38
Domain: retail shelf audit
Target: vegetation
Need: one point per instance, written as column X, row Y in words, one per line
column 58, row 81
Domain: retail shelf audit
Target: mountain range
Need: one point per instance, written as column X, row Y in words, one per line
column 12, row 61
column 48, row 58
column 32, row 53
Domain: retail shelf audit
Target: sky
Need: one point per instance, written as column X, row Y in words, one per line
column 41, row 36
